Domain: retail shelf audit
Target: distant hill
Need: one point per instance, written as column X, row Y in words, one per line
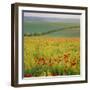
column 66, row 32
column 64, row 20
column 40, row 26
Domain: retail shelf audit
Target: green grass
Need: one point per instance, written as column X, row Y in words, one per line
column 39, row 27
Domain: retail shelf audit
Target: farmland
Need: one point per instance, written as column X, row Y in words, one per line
column 41, row 26
column 51, row 44
column 51, row 56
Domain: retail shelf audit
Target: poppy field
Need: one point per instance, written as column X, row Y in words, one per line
column 51, row 56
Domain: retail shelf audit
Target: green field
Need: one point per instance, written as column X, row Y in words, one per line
column 39, row 27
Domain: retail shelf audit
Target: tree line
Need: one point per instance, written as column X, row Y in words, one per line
column 50, row 31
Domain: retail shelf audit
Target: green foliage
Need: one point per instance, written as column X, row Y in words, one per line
column 57, row 70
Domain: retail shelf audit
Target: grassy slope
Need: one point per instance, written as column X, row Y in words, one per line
column 36, row 27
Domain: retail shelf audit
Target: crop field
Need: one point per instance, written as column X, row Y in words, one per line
column 51, row 44
column 51, row 56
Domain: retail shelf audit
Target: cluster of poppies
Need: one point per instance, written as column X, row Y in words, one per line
column 51, row 56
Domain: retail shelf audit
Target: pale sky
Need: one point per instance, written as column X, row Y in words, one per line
column 48, row 15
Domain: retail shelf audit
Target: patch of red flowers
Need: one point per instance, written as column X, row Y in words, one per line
column 27, row 75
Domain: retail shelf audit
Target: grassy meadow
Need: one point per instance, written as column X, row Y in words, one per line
column 51, row 56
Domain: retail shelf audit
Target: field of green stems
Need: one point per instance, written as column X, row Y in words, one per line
column 50, row 56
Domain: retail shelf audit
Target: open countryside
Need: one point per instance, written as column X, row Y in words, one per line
column 51, row 47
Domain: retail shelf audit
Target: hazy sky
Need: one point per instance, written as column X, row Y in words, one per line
column 48, row 15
